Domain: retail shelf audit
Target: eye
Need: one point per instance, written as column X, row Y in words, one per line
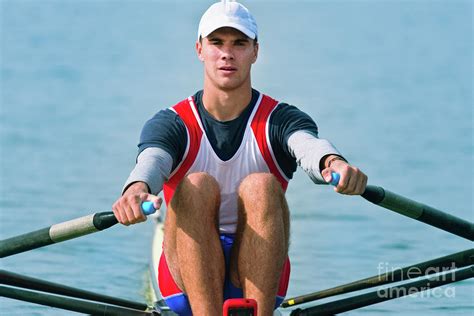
column 241, row 43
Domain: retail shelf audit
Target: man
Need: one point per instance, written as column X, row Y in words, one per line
column 223, row 158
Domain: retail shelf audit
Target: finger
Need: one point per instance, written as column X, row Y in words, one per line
column 361, row 184
column 137, row 213
column 157, row 203
column 129, row 205
column 127, row 216
column 115, row 209
column 352, row 183
column 343, row 181
column 326, row 173
column 121, row 211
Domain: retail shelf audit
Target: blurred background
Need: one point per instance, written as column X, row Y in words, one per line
column 388, row 82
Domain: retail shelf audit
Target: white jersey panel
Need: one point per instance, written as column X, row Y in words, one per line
column 229, row 174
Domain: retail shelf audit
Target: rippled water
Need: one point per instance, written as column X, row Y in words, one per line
column 388, row 82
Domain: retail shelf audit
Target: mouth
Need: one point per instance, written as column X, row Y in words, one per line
column 228, row 69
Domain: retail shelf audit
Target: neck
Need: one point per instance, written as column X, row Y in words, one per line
column 225, row 105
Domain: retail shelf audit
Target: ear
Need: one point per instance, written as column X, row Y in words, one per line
column 199, row 50
column 256, row 47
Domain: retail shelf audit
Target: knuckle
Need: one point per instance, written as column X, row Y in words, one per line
column 119, row 204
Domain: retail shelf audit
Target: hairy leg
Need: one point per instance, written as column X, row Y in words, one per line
column 262, row 240
column 192, row 246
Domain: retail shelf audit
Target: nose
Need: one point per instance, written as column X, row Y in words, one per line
column 227, row 53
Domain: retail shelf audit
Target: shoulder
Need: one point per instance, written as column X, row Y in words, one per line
column 165, row 114
column 284, row 109
column 162, row 121
column 166, row 130
column 289, row 118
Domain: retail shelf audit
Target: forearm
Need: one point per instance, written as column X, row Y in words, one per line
column 151, row 171
column 312, row 154
column 136, row 188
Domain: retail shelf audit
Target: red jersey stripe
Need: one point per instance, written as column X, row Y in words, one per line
column 185, row 111
column 259, row 128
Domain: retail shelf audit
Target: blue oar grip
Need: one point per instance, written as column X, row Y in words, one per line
column 335, row 177
column 148, row 208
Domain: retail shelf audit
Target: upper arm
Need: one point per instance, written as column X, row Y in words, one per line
column 284, row 121
column 167, row 131
column 287, row 119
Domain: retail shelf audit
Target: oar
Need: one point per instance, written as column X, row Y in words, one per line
column 23, row 281
column 71, row 304
column 63, row 231
column 442, row 264
column 381, row 295
column 416, row 210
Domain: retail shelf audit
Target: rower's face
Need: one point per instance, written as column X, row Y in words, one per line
column 228, row 56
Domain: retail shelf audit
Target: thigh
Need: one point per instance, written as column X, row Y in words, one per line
column 257, row 189
column 194, row 204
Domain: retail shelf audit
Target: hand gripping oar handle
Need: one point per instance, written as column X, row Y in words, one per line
column 419, row 211
column 63, row 231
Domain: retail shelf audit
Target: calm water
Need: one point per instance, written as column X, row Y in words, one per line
column 389, row 82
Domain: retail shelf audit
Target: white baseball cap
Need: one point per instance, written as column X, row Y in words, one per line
column 227, row 14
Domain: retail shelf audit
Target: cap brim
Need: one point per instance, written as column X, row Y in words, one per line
column 236, row 26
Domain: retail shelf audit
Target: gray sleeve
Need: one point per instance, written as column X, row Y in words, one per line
column 153, row 167
column 308, row 151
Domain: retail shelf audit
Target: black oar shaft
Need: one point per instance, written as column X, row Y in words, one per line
column 419, row 211
column 354, row 302
column 70, row 304
column 453, row 261
column 57, row 233
column 13, row 279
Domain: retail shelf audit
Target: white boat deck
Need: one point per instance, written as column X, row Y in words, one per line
column 156, row 248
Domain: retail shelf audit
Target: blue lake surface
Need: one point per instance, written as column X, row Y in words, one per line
column 388, row 82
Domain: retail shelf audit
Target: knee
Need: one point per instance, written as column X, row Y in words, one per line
column 199, row 182
column 263, row 194
column 197, row 191
column 260, row 185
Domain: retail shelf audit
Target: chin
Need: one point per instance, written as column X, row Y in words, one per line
column 228, row 85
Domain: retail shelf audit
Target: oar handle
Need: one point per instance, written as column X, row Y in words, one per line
column 148, row 208
column 335, row 177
